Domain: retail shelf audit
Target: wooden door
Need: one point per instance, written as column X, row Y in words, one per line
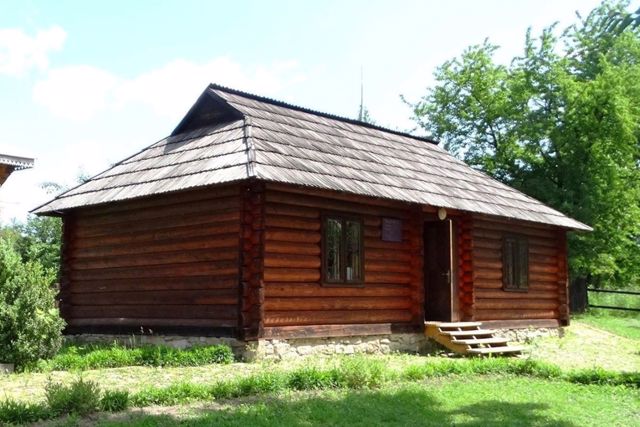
column 437, row 271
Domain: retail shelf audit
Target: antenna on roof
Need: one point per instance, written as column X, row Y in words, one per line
column 361, row 113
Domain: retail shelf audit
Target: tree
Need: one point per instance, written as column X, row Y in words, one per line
column 561, row 123
column 30, row 323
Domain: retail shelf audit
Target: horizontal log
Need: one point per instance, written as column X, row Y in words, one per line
column 387, row 277
column 156, row 284
column 340, row 330
column 168, row 234
column 229, row 241
column 135, row 216
column 292, row 222
column 171, row 270
column 372, row 242
column 286, row 235
column 483, row 315
column 500, row 294
column 291, row 261
column 333, row 204
column 222, row 215
column 515, row 304
column 278, row 318
column 542, row 277
column 151, row 322
column 157, row 201
column 181, row 297
column 387, row 266
column 543, row 286
column 156, row 311
column 145, row 260
column 482, row 274
column 291, row 275
column 344, row 303
column 516, row 228
column 275, row 290
column 334, row 195
column 483, row 263
column 276, row 210
column 373, row 254
column 294, row 248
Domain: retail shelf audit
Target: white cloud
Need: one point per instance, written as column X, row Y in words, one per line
column 75, row 92
column 20, row 52
column 80, row 92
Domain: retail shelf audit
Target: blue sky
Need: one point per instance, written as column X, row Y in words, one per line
column 84, row 84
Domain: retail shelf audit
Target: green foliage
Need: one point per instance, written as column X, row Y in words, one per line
column 359, row 372
column 625, row 324
column 562, row 124
column 364, row 373
column 16, row 412
column 30, row 324
column 75, row 357
column 114, row 401
column 80, row 397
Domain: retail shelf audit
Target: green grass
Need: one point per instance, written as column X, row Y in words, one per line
column 626, row 326
column 80, row 358
column 350, row 373
column 469, row 401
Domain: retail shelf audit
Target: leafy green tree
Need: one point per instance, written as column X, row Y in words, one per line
column 561, row 123
column 30, row 323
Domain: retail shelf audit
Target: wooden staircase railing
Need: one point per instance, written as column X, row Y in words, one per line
column 469, row 338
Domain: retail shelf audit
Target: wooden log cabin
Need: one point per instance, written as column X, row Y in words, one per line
column 257, row 219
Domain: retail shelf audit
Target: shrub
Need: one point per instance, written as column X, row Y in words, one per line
column 311, row 379
column 114, row 400
column 80, row 397
column 31, row 325
column 14, row 412
column 359, row 372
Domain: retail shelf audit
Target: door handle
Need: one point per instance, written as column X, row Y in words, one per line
column 448, row 276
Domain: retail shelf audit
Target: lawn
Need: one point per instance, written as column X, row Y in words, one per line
column 472, row 401
column 412, row 390
column 625, row 326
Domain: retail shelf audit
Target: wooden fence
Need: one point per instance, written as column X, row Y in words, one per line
column 610, row 307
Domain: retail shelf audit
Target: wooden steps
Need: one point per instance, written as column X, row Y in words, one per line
column 469, row 338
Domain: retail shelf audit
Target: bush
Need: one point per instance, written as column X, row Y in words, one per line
column 30, row 326
column 114, row 401
column 311, row 379
column 359, row 372
column 13, row 412
column 80, row 397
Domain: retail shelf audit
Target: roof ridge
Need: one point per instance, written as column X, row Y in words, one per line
column 283, row 104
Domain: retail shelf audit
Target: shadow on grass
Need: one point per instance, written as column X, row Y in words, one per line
column 414, row 407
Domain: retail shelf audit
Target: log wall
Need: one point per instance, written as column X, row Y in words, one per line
column 170, row 261
column 547, row 293
column 294, row 292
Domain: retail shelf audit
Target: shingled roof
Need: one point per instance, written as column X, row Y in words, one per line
column 230, row 135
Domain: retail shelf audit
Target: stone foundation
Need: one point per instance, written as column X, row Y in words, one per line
column 279, row 349
column 276, row 349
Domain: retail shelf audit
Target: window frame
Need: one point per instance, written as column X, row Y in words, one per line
column 519, row 243
column 343, row 218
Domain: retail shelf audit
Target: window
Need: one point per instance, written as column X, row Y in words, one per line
column 515, row 263
column 342, row 250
